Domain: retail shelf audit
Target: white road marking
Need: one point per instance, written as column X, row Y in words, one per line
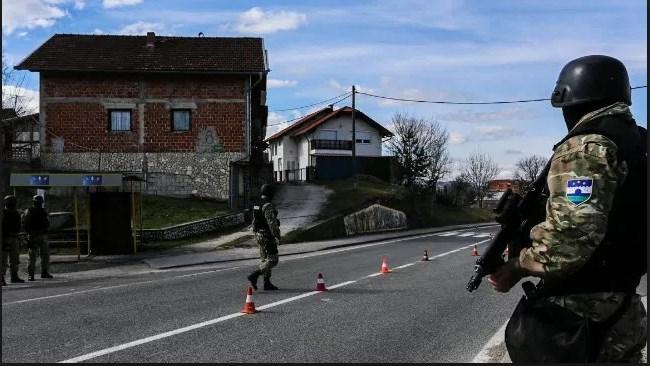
column 481, row 235
column 499, row 338
column 95, row 289
column 138, row 342
column 406, row 265
column 448, row 233
column 466, row 234
column 496, row 340
column 314, row 254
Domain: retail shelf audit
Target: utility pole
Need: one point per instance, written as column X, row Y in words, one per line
column 354, row 139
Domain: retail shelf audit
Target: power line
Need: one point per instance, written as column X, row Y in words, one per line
column 346, row 96
column 466, row 103
column 310, row 105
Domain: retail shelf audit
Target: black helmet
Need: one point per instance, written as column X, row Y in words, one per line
column 10, row 200
column 267, row 190
column 37, row 199
column 590, row 79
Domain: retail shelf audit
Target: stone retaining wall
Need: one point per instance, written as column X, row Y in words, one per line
column 168, row 174
column 195, row 228
column 375, row 218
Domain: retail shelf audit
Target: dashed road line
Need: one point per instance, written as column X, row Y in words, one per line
column 471, row 233
column 150, row 339
column 314, row 254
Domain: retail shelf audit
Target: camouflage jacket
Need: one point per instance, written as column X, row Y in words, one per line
column 576, row 223
column 271, row 215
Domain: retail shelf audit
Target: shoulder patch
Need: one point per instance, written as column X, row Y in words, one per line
column 578, row 190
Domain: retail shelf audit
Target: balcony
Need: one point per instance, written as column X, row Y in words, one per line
column 331, row 145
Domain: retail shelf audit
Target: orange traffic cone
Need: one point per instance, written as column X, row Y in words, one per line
column 475, row 251
column 425, row 257
column 320, row 283
column 384, row 267
column 249, row 306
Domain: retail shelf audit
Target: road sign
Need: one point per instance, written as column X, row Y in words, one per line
column 65, row 180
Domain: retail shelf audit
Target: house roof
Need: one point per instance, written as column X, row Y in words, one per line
column 310, row 122
column 82, row 52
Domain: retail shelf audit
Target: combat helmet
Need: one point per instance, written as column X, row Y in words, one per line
column 591, row 79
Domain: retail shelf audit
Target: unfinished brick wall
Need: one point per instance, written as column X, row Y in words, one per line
column 77, row 108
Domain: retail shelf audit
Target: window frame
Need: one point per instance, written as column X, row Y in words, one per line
column 110, row 119
column 189, row 120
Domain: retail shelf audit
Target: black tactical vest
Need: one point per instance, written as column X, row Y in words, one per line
column 620, row 260
column 259, row 220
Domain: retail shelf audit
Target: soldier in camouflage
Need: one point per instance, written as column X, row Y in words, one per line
column 266, row 227
column 37, row 225
column 592, row 247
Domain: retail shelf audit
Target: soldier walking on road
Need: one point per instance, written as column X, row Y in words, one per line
column 266, row 227
column 10, row 230
column 36, row 226
column 591, row 250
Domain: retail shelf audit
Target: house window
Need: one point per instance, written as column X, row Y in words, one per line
column 119, row 120
column 362, row 137
column 180, row 119
column 275, row 149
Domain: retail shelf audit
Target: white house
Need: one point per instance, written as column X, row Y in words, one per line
column 295, row 150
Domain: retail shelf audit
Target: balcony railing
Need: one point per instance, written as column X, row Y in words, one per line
column 332, row 144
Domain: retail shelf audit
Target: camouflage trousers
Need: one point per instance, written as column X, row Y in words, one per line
column 627, row 337
column 38, row 246
column 268, row 253
column 10, row 255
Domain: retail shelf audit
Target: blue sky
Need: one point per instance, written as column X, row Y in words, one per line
column 448, row 50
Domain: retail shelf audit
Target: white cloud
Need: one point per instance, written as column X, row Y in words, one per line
column 79, row 4
column 513, row 152
column 275, row 123
column 28, row 14
column 275, row 83
column 257, row 21
column 98, row 31
column 141, row 29
column 107, row 4
column 22, row 34
column 334, row 84
column 466, row 115
column 496, row 132
column 27, row 98
column 456, row 138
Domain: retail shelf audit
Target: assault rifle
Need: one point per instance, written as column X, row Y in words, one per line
column 517, row 215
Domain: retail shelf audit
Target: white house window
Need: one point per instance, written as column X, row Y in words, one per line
column 180, row 119
column 362, row 137
column 120, row 120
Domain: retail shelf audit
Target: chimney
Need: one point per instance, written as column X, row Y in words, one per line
column 151, row 38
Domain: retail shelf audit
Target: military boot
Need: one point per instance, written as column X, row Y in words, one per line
column 16, row 279
column 3, row 281
column 30, row 277
column 46, row 275
column 268, row 286
column 253, row 278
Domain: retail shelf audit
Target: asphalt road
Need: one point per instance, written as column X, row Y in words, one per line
column 418, row 313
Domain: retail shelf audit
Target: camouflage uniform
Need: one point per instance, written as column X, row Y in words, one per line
column 564, row 242
column 269, row 241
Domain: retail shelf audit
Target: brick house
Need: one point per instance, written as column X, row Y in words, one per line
column 188, row 113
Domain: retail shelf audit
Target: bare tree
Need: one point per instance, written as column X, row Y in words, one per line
column 479, row 169
column 420, row 147
column 528, row 168
column 14, row 94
